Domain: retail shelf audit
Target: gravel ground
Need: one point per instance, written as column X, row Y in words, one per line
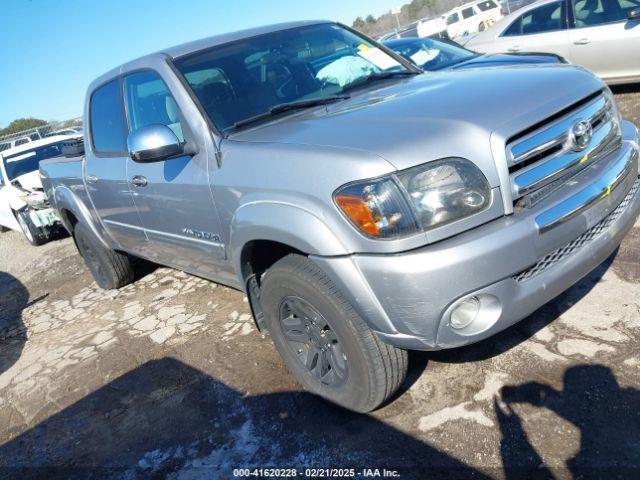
column 167, row 377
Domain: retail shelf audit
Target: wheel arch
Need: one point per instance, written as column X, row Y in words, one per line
column 262, row 233
column 72, row 210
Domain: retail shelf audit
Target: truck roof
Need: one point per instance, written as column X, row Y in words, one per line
column 212, row 41
column 208, row 42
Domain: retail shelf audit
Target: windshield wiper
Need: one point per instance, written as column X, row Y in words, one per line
column 283, row 107
column 378, row 76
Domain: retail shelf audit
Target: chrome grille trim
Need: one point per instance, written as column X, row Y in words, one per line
column 573, row 246
column 554, row 134
column 545, row 155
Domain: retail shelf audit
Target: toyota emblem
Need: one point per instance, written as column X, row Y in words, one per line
column 580, row 135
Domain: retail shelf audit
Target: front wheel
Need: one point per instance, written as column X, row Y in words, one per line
column 32, row 233
column 323, row 341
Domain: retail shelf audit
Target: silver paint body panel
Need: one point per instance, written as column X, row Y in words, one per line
column 275, row 181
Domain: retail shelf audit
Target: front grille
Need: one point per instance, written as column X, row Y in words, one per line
column 543, row 158
column 557, row 255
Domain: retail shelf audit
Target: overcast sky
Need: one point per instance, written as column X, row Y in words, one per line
column 52, row 49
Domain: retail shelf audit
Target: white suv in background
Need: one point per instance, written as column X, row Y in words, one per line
column 472, row 17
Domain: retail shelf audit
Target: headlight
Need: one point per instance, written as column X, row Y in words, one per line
column 377, row 208
column 417, row 199
column 445, row 191
column 616, row 116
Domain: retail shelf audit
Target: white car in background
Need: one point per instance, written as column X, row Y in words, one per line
column 600, row 35
column 23, row 204
column 472, row 17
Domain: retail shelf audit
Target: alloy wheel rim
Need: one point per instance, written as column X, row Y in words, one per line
column 313, row 341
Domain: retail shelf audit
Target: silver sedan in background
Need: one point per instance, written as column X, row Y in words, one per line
column 600, row 35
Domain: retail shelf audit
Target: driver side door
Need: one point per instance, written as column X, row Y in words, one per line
column 173, row 197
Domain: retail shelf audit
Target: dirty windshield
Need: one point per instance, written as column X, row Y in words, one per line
column 18, row 164
column 247, row 78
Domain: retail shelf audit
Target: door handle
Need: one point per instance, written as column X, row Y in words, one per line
column 515, row 48
column 582, row 41
column 139, row 181
column 91, row 178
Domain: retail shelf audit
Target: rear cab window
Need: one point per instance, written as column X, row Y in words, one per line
column 106, row 120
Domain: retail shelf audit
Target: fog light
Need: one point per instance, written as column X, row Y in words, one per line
column 465, row 313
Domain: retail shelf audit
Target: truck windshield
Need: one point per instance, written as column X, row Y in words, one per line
column 246, row 78
column 18, row 164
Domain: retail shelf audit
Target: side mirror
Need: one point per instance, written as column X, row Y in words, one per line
column 634, row 14
column 153, row 143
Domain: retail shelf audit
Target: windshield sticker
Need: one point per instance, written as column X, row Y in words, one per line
column 378, row 58
column 423, row 56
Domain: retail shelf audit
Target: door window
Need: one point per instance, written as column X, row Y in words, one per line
column 468, row 13
column 547, row 18
column 453, row 18
column 150, row 102
column 106, row 119
column 590, row 13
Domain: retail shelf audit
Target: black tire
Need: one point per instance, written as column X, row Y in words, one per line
column 110, row 269
column 374, row 370
column 32, row 234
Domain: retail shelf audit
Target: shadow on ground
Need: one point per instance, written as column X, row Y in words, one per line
column 607, row 415
column 13, row 334
column 166, row 417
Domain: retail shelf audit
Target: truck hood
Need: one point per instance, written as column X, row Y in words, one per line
column 436, row 115
column 30, row 181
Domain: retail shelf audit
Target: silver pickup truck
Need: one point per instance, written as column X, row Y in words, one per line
column 365, row 208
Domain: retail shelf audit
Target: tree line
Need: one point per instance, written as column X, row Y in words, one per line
column 410, row 12
column 22, row 124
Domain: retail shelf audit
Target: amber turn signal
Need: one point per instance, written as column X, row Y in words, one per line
column 356, row 209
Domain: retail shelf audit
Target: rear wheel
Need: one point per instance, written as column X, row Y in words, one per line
column 110, row 269
column 323, row 341
column 32, row 233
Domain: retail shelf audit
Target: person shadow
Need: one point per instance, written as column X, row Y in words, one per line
column 606, row 414
column 168, row 419
column 14, row 299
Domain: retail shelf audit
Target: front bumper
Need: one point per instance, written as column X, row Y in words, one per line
column 407, row 298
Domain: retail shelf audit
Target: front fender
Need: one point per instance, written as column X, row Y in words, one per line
column 284, row 223
column 65, row 199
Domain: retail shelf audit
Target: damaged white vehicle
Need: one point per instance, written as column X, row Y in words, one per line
column 23, row 204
